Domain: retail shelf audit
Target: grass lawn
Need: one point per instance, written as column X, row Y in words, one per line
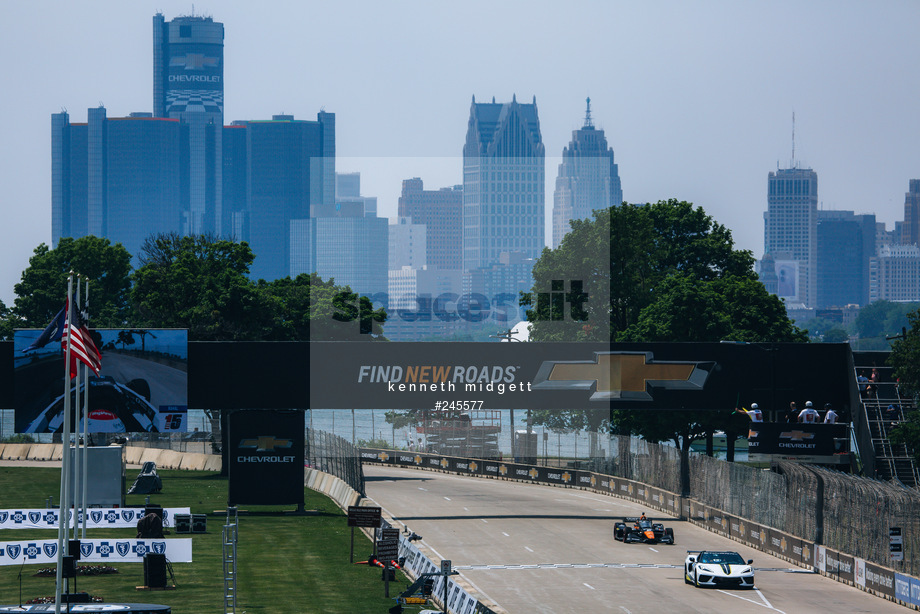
column 286, row 564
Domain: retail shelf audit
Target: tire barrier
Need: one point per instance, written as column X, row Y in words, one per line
column 868, row 576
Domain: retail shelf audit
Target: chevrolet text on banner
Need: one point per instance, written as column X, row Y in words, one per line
column 111, row 518
column 44, row 551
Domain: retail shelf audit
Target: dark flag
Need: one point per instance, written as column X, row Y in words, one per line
column 52, row 332
column 82, row 347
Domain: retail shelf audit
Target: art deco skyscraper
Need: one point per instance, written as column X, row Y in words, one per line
column 587, row 180
column 503, row 183
column 188, row 85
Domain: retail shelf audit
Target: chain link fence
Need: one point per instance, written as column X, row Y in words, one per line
column 333, row 454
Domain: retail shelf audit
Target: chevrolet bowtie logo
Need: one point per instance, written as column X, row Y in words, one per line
column 193, row 61
column 266, row 443
column 796, row 435
column 622, row 375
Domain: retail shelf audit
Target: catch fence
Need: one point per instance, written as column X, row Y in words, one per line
column 842, row 511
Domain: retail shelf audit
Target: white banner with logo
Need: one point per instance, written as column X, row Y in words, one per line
column 110, row 518
column 44, row 552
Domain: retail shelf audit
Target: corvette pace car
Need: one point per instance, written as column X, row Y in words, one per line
column 721, row 569
column 639, row 530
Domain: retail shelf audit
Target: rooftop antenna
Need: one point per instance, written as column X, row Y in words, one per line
column 793, row 139
column 589, row 123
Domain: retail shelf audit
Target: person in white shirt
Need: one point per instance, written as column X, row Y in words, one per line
column 830, row 417
column 754, row 413
column 808, row 415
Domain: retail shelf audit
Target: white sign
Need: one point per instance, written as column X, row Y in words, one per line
column 109, row 518
column 45, row 551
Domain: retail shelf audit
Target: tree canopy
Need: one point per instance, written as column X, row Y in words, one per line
column 656, row 272
column 41, row 292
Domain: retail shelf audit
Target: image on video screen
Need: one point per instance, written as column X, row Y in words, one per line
column 142, row 386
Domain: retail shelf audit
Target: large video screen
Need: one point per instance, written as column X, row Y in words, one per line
column 141, row 387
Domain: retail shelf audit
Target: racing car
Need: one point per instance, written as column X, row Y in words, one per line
column 641, row 530
column 713, row 568
column 115, row 408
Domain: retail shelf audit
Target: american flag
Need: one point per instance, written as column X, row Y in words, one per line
column 82, row 347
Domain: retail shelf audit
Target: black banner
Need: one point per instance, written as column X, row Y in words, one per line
column 270, row 375
column 266, row 457
column 796, row 439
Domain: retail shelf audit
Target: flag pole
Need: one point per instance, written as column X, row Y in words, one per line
column 73, row 523
column 85, row 427
column 65, row 457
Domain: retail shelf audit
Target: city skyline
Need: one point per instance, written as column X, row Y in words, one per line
column 696, row 101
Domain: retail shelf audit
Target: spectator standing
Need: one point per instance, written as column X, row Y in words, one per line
column 808, row 415
column 863, row 382
column 830, row 416
column 792, row 415
column 892, row 414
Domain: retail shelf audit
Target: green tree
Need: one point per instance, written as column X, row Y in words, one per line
column 879, row 320
column 6, row 323
column 836, row 334
column 43, row 289
column 905, row 358
column 200, row 283
column 657, row 272
column 306, row 308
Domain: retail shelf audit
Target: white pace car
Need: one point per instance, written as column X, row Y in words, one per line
column 722, row 569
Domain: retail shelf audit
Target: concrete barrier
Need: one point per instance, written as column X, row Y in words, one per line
column 16, row 451
column 193, row 461
column 170, row 459
column 41, row 451
column 133, row 455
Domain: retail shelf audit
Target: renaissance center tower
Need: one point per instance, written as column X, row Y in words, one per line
column 188, row 85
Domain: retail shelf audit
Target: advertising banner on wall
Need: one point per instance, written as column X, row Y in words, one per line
column 266, row 457
column 141, row 387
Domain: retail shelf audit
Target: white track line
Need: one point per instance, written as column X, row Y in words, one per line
column 765, row 604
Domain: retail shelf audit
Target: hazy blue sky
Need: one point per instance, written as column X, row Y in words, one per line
column 696, row 97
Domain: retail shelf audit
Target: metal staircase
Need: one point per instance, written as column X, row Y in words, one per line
column 229, row 539
column 893, row 462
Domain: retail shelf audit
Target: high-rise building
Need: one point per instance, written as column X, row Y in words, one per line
column 120, row 178
column 588, row 178
column 423, row 304
column 846, row 244
column 408, row 244
column 503, row 183
column 441, row 212
column 188, row 85
column 345, row 241
column 275, row 170
column 895, row 274
column 790, row 233
column 910, row 230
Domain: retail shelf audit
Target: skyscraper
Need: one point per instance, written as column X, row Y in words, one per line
column 276, row 171
column 587, row 180
column 503, row 183
column 188, row 84
column 121, row 178
column 790, row 233
column 441, row 212
column 846, row 244
column 910, row 230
